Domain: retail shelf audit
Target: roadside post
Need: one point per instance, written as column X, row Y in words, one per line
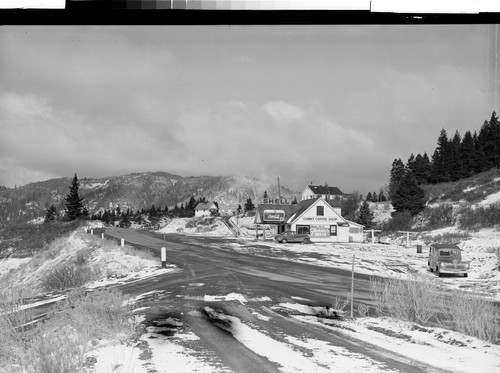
column 163, row 257
column 91, row 231
column 102, row 236
column 373, row 233
column 122, row 243
column 352, row 286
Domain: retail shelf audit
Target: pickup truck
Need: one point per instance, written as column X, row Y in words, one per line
column 291, row 236
column 447, row 258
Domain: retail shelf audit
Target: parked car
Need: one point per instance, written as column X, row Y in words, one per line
column 291, row 236
column 447, row 258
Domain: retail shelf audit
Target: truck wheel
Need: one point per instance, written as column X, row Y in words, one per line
column 306, row 240
column 466, row 275
column 430, row 268
column 438, row 273
column 284, row 241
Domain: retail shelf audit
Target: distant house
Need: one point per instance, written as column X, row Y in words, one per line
column 205, row 209
column 322, row 191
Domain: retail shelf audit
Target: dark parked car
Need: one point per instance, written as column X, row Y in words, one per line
column 291, row 236
column 447, row 258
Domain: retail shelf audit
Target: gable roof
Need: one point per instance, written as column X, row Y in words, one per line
column 325, row 189
column 302, row 207
column 205, row 206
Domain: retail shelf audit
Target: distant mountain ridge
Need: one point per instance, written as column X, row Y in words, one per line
column 134, row 191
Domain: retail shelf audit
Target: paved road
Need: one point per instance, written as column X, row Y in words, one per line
column 209, row 267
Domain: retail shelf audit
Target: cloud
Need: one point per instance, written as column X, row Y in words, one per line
column 282, row 111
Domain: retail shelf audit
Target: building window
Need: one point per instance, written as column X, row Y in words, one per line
column 303, row 229
column 320, row 210
column 333, row 230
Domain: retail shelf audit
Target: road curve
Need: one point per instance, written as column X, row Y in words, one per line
column 210, row 268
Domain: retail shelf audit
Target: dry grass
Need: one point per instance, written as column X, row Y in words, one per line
column 59, row 344
column 426, row 303
column 143, row 254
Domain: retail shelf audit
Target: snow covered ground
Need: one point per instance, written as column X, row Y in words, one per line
column 169, row 345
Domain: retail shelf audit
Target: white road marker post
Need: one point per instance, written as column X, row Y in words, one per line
column 352, row 286
column 91, row 231
column 122, row 242
column 102, row 236
column 163, row 257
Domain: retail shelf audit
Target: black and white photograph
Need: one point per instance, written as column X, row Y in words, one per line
column 250, row 198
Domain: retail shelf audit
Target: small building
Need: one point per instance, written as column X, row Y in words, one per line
column 323, row 191
column 318, row 217
column 205, row 209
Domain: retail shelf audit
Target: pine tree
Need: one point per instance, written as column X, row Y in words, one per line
column 365, row 216
column 455, row 164
column 397, row 172
column 74, row 206
column 51, row 214
column 440, row 160
column 105, row 217
column 265, row 194
column 249, row 206
column 369, row 196
column 409, row 196
column 381, row 197
column 294, row 201
column 374, row 197
column 238, row 210
column 467, row 155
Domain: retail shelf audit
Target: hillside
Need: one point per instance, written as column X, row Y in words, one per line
column 134, row 191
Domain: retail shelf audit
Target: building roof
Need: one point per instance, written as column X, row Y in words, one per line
column 325, row 189
column 205, row 206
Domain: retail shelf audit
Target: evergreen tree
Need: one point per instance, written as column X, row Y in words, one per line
column 489, row 139
column 381, row 197
column 294, row 201
column 238, row 210
column 480, row 157
column 50, row 214
column 265, row 194
column 249, row 206
column 374, row 197
column 455, row 164
column 440, row 160
column 411, row 163
column 105, row 217
column 350, row 206
column 369, row 196
column 409, row 196
column 74, row 206
column 397, row 172
column 124, row 222
column 467, row 155
column 365, row 216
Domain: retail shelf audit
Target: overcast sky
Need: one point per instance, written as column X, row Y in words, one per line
column 328, row 104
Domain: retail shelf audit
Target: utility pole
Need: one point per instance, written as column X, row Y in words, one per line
column 279, row 189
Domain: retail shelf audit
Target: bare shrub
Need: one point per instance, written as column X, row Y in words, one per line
column 439, row 217
column 340, row 304
column 363, row 309
column 416, row 300
column 67, row 276
column 13, row 316
column 101, row 314
column 480, row 217
column 55, row 350
column 474, row 315
column 448, row 237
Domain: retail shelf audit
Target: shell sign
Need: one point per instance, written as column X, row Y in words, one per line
column 274, row 215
